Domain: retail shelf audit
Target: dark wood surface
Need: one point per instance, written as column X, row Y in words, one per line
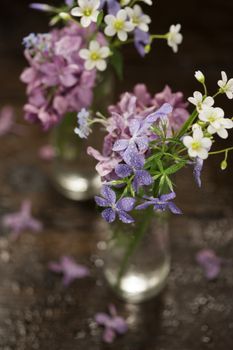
column 36, row 312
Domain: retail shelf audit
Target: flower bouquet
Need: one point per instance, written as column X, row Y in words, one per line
column 148, row 141
column 70, row 72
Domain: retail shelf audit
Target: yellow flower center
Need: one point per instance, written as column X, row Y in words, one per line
column 196, row 145
column 87, row 12
column 135, row 20
column 211, row 118
column 119, row 25
column 95, row 56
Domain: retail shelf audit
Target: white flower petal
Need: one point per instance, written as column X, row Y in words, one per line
column 85, row 21
column 121, row 15
column 104, row 51
column 76, row 12
column 206, row 142
column 122, row 35
column 197, row 134
column 84, row 54
column 187, row 141
column 202, row 153
column 109, row 19
column 110, row 31
column 94, row 46
column 227, row 123
column 89, row 65
column 222, row 133
column 101, row 65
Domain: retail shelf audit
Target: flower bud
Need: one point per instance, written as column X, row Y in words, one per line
column 200, row 76
column 65, row 16
column 224, row 165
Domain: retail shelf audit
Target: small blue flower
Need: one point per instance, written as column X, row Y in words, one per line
column 141, row 39
column 134, row 165
column 83, row 130
column 115, row 208
column 161, row 204
column 30, row 41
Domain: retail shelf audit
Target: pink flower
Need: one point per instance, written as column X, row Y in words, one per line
column 70, row 270
column 176, row 100
column 22, row 220
column 112, row 323
column 57, row 82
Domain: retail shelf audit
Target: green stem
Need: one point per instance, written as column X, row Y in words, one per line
column 222, row 151
column 139, row 234
column 158, row 36
column 187, row 124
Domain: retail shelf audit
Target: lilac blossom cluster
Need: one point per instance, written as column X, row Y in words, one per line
column 57, row 81
column 123, row 164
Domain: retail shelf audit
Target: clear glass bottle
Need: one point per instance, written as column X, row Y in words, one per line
column 72, row 170
column 137, row 259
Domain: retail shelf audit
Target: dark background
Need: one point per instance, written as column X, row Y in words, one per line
column 192, row 313
column 207, row 27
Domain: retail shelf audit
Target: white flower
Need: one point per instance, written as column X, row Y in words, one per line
column 118, row 25
column 88, row 10
column 200, row 101
column 174, row 37
column 198, row 145
column 217, row 123
column 95, row 56
column 226, row 86
column 200, row 76
column 138, row 18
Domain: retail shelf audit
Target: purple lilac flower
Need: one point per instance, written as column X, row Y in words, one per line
column 198, row 165
column 113, row 207
column 22, row 220
column 134, row 165
column 210, row 263
column 141, row 39
column 113, row 6
column 138, row 130
column 161, row 204
column 69, row 3
column 47, row 152
column 112, row 323
column 143, row 96
column 70, row 270
column 176, row 100
column 83, row 130
column 57, row 82
column 41, row 7
column 106, row 164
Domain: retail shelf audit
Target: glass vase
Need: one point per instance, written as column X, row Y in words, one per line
column 137, row 258
column 72, row 170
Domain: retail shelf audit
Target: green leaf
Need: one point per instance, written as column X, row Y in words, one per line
column 100, row 18
column 169, row 183
column 116, row 60
column 174, row 168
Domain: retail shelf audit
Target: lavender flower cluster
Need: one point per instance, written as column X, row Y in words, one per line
column 126, row 150
column 57, row 81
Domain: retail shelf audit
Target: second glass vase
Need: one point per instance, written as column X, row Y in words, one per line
column 73, row 171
